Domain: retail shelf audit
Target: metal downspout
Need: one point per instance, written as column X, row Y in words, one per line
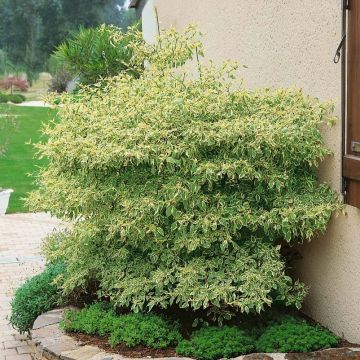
column 341, row 52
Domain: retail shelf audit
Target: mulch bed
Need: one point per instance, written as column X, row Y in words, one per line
column 142, row 351
column 346, row 344
column 121, row 349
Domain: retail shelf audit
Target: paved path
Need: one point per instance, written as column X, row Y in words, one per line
column 34, row 103
column 20, row 240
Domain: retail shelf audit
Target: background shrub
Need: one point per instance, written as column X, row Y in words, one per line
column 180, row 187
column 36, row 296
column 96, row 53
column 14, row 83
column 149, row 330
column 15, row 98
column 3, row 98
column 59, row 81
column 212, row 343
column 295, row 336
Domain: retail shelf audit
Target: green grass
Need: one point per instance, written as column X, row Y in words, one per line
column 19, row 161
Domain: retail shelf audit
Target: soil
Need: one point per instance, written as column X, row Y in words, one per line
column 345, row 344
column 186, row 328
column 121, row 349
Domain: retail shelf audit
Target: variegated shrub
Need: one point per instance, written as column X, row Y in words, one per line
column 181, row 184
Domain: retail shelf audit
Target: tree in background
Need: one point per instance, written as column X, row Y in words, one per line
column 5, row 63
column 30, row 30
column 53, row 19
column 19, row 29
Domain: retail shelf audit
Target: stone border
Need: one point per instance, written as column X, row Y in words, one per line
column 52, row 343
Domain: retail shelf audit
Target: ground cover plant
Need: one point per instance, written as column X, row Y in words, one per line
column 293, row 335
column 150, row 330
column 19, row 161
column 181, row 187
column 273, row 334
column 210, row 343
column 36, row 296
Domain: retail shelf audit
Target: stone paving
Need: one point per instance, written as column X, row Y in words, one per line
column 20, row 240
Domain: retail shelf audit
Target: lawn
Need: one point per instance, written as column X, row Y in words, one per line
column 19, row 162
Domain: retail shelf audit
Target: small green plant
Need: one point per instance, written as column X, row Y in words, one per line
column 87, row 320
column 36, row 296
column 150, row 330
column 210, row 343
column 144, row 329
column 294, row 335
column 15, row 98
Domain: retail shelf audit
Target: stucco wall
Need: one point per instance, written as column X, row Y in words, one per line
column 292, row 43
column 149, row 21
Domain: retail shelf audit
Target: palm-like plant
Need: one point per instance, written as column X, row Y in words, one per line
column 96, row 53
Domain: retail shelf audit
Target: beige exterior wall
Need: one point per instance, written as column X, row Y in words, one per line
column 149, row 22
column 291, row 43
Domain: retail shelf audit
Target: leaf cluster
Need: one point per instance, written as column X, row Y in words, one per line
column 131, row 329
column 36, row 296
column 180, row 184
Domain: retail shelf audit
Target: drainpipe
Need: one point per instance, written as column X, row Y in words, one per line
column 341, row 53
column 343, row 96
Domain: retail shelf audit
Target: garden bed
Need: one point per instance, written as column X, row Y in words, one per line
column 135, row 352
column 52, row 343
